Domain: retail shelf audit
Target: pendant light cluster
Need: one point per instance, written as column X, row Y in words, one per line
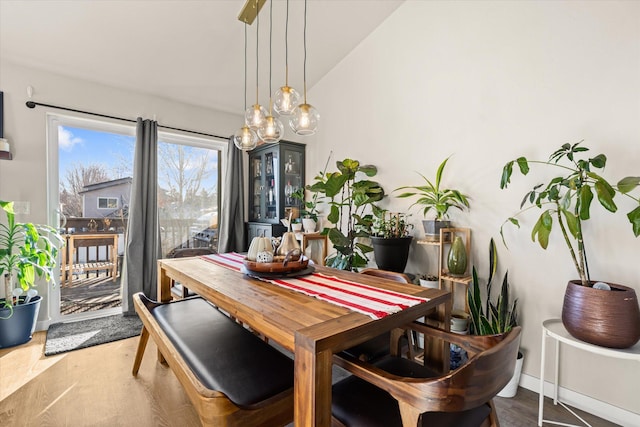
column 261, row 126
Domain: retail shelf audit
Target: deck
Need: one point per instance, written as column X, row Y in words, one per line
column 90, row 292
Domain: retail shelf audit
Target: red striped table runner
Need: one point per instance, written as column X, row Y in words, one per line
column 374, row 302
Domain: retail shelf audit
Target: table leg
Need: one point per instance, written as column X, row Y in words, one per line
column 164, row 286
column 541, row 396
column 555, row 375
column 312, row 385
column 164, row 295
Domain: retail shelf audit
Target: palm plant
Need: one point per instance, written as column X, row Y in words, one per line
column 432, row 197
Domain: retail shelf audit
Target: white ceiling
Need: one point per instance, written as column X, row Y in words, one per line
column 187, row 50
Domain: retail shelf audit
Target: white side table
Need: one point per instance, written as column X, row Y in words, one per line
column 553, row 328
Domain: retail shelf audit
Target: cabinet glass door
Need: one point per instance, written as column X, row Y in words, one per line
column 271, row 185
column 257, row 175
column 292, row 181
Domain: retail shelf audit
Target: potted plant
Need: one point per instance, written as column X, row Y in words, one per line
column 309, row 212
column 489, row 318
column 429, row 281
column 349, row 195
column 439, row 200
column 590, row 312
column 27, row 251
column 390, row 239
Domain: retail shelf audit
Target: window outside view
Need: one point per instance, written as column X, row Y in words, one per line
column 95, row 179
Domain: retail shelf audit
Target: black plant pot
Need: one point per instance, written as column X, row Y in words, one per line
column 391, row 253
column 17, row 328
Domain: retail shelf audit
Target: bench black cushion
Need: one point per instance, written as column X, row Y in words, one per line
column 222, row 354
column 356, row 402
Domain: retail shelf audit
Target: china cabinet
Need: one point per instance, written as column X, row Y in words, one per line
column 276, row 171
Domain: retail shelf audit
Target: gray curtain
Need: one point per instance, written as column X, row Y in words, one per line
column 142, row 246
column 231, row 229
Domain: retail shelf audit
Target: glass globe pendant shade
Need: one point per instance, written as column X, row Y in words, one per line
column 286, row 100
column 305, row 120
column 245, row 139
column 254, row 116
column 271, row 130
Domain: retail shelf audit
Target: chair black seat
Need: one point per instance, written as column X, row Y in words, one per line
column 372, row 349
column 358, row 403
column 245, row 368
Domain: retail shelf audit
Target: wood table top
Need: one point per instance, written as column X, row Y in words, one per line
column 277, row 312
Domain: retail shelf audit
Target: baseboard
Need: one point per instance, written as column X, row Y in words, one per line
column 585, row 403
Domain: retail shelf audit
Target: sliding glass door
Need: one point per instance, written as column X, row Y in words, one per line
column 90, row 179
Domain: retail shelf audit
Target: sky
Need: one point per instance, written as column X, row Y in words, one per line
column 79, row 146
column 85, row 147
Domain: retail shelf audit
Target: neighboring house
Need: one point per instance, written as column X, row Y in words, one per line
column 105, row 199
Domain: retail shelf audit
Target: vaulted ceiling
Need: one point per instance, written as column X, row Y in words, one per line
column 187, row 50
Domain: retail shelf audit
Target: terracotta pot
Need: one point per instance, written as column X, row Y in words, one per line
column 604, row 318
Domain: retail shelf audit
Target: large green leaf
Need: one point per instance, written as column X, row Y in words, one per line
column 605, row 195
column 334, row 214
column 634, row 218
column 334, row 184
column 599, row 161
column 628, row 183
column 572, row 222
column 542, row 229
column 368, row 170
column 585, row 196
column 440, row 171
column 507, row 170
column 337, row 238
column 523, row 164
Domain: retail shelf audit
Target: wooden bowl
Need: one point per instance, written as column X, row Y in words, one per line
column 276, row 266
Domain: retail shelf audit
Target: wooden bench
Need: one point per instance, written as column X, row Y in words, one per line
column 231, row 376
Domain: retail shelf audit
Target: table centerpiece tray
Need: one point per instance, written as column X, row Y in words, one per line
column 282, row 275
column 277, row 267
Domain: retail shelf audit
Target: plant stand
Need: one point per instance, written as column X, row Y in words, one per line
column 448, row 281
column 554, row 329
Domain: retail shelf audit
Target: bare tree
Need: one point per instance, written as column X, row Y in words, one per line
column 182, row 174
column 77, row 177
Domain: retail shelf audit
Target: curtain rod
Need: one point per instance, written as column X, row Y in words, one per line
column 32, row 104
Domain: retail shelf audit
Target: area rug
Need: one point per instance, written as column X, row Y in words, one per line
column 63, row 337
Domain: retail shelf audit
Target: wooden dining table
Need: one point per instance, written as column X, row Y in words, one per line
column 312, row 329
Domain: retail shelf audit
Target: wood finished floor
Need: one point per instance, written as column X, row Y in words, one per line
column 94, row 387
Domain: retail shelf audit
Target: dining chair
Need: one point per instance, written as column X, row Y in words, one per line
column 177, row 290
column 380, row 346
column 399, row 392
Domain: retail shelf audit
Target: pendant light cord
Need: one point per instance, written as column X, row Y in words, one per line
column 245, row 65
column 270, row 46
column 304, row 68
column 257, row 46
column 286, row 47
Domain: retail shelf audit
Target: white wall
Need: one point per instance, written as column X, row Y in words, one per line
column 488, row 82
column 25, row 177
